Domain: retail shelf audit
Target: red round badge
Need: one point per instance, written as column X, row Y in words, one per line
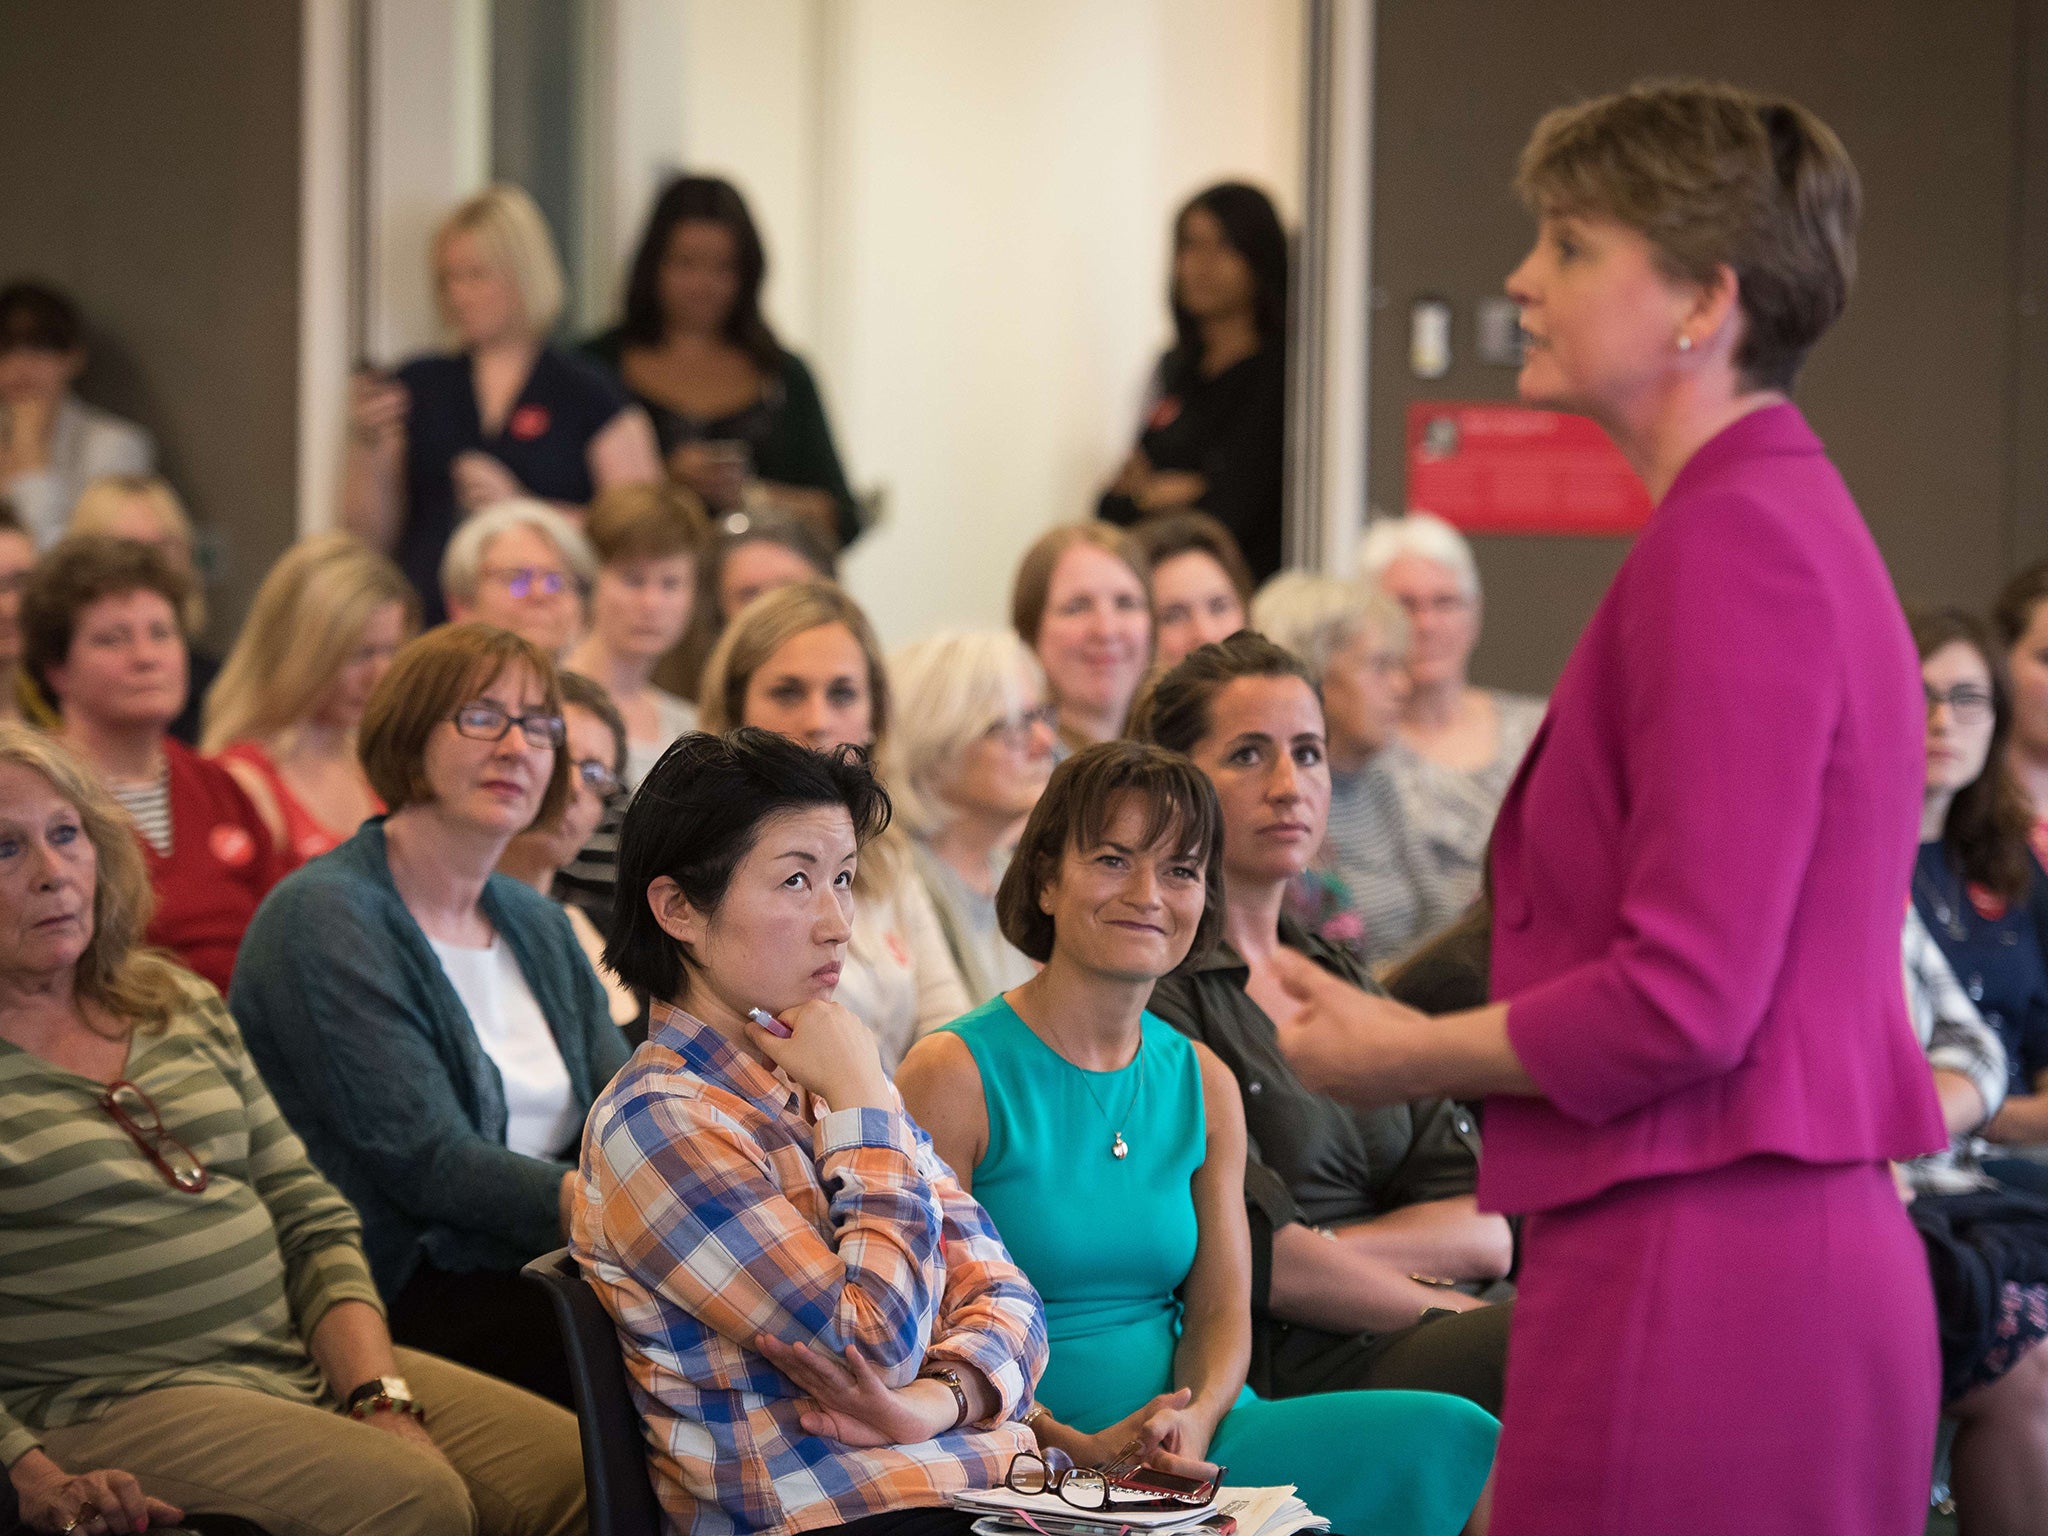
column 1989, row 904
column 232, row 845
column 528, row 422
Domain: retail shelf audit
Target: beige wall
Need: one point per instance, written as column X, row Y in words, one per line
column 967, row 209
column 149, row 151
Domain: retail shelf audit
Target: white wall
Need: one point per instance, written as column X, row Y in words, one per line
column 967, row 208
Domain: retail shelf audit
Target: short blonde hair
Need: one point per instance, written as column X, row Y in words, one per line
column 1713, row 175
column 430, row 680
column 98, row 510
column 462, row 562
column 950, row 688
column 1317, row 616
column 302, row 629
column 1425, row 536
column 514, row 237
column 141, row 986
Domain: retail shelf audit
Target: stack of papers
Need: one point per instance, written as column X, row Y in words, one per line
column 1236, row 1512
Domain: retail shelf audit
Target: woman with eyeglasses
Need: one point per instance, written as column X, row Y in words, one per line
column 1976, row 883
column 190, row 1323
column 522, row 566
column 282, row 716
column 973, row 750
column 430, row 1027
column 595, row 739
column 1110, row 1151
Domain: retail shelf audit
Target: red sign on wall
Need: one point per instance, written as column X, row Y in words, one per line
column 1491, row 468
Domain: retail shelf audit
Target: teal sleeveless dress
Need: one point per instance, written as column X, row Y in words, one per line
column 1108, row 1242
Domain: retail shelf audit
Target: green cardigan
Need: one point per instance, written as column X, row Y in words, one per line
column 373, row 1059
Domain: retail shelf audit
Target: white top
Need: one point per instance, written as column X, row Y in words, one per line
column 85, row 443
column 539, row 1103
column 677, row 715
column 899, row 978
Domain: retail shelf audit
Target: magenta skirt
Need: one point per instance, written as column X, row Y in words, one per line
column 1745, row 1352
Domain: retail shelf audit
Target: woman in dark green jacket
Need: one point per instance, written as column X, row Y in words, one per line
column 739, row 419
column 432, row 1029
column 1379, row 1263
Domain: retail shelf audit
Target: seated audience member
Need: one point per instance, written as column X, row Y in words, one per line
column 1977, row 885
column 1201, row 588
column 1994, row 1315
column 1215, row 433
column 1082, row 603
column 751, row 553
column 52, row 442
column 145, row 508
column 1358, row 1202
column 101, row 633
column 282, row 716
column 595, row 739
column 647, row 540
column 18, row 697
column 824, row 1330
column 431, row 1028
column 1353, row 639
column 2021, row 619
column 1110, row 1152
column 738, row 417
column 1464, row 742
column 803, row 661
column 973, row 750
column 190, row 1322
column 504, row 416
column 522, row 566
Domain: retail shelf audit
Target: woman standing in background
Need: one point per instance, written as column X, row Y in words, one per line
column 738, row 416
column 1216, row 431
column 506, row 415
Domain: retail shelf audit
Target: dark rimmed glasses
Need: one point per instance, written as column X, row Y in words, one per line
column 1053, row 1471
column 487, row 722
column 136, row 1113
column 524, row 581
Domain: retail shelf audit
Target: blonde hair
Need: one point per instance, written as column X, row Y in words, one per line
column 756, row 633
column 513, row 235
column 98, row 510
column 1317, row 616
column 141, row 986
column 950, row 688
column 302, row 630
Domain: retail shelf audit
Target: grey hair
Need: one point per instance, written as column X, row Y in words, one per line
column 1317, row 616
column 950, row 688
column 462, row 564
column 1427, row 537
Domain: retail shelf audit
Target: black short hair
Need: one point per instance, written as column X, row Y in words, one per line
column 38, row 317
column 698, row 813
column 1074, row 813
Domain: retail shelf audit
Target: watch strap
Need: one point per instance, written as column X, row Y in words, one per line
column 952, row 1379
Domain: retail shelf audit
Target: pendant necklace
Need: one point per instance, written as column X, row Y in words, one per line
column 1118, row 1147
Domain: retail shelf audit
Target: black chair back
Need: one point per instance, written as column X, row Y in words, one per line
column 617, row 1487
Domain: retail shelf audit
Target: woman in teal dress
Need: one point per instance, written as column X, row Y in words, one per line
column 1109, row 1150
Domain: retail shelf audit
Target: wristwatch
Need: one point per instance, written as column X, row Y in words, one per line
column 384, row 1394
column 952, row 1379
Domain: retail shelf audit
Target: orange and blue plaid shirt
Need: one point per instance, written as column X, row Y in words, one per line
column 717, row 1201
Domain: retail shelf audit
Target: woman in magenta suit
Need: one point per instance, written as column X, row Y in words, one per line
column 1699, row 1062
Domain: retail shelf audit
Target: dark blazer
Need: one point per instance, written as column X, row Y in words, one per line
column 373, row 1059
column 1699, row 871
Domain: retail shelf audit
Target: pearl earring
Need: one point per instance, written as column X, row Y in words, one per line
column 1684, row 342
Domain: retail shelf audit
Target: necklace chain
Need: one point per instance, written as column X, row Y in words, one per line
column 1118, row 1147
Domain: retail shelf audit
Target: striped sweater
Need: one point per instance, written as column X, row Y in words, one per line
column 112, row 1282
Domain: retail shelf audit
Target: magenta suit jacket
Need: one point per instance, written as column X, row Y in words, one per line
column 1699, row 871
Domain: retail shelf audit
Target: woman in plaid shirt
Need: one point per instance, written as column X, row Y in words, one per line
column 821, row 1328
